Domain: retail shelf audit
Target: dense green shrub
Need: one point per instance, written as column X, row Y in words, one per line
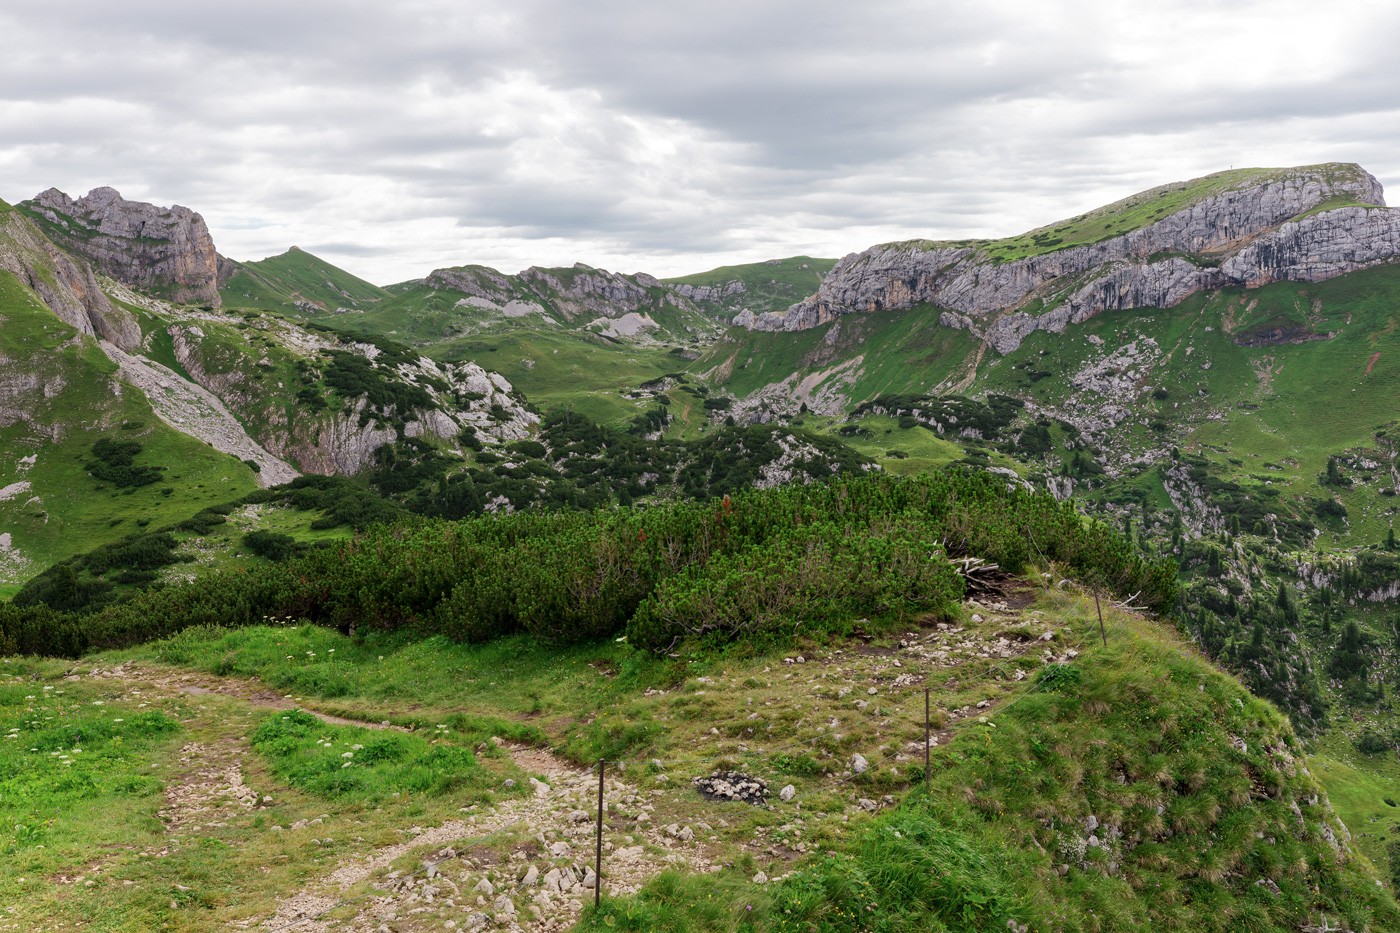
column 810, row 578
column 270, row 544
column 761, row 563
column 115, row 463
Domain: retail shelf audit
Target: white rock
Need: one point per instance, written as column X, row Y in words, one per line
column 858, row 764
column 787, row 793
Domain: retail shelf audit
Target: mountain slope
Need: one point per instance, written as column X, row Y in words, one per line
column 67, row 286
column 754, row 288
column 294, row 282
column 1246, row 227
column 60, row 396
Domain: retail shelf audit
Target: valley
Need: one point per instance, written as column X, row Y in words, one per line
column 501, row 526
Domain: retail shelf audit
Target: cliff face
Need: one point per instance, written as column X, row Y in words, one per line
column 1249, row 234
column 164, row 250
column 580, row 293
column 68, row 287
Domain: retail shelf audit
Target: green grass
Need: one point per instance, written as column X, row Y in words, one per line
column 1140, row 740
column 352, row 762
column 521, row 688
column 768, row 286
column 80, row 778
column 1358, row 786
column 1012, row 785
column 280, row 281
column 66, row 511
column 563, row 369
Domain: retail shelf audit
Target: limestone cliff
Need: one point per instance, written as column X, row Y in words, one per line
column 343, row 436
column 163, row 250
column 580, row 293
column 1238, row 228
column 66, row 285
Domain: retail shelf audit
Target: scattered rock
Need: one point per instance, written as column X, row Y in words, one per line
column 732, row 785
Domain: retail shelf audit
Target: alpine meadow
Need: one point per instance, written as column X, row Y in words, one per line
column 1045, row 583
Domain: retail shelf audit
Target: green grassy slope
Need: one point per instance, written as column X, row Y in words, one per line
column 1267, row 384
column 65, row 399
column 1185, row 784
column 554, row 363
column 281, row 282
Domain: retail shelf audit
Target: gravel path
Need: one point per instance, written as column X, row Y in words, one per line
column 462, row 878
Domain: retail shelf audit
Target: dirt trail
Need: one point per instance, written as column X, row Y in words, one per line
column 539, row 885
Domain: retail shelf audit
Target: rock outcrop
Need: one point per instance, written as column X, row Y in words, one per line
column 708, row 293
column 163, row 250
column 66, row 285
column 1269, row 227
column 462, row 395
column 578, row 294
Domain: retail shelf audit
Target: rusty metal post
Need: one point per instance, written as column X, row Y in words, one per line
column 1103, row 632
column 928, row 734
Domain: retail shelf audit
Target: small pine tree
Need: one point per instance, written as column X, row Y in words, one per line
column 1352, row 656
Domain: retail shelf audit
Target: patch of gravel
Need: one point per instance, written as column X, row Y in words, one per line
column 540, row 885
column 197, row 412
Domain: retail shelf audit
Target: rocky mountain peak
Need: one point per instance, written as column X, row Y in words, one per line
column 164, row 250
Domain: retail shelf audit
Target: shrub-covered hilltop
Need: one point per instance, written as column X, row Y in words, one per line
column 1086, row 773
column 764, row 566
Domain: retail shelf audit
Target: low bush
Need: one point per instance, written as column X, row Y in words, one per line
column 766, row 564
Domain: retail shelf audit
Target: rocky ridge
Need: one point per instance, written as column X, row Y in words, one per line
column 67, row 286
column 1257, row 232
column 464, row 395
column 616, row 305
column 167, row 250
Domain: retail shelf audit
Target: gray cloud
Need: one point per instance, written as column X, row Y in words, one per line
column 398, row 137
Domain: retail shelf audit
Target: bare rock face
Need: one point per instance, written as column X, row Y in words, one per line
column 707, row 293
column 1248, row 235
column 583, row 290
column 67, row 286
column 580, row 293
column 163, row 250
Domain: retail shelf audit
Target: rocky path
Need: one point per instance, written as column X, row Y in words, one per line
column 525, row 864
column 197, row 412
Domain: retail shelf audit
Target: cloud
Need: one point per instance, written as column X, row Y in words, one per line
column 672, row 137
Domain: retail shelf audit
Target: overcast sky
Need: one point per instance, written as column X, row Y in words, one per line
column 670, row 137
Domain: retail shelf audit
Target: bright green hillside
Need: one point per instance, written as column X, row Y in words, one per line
column 282, row 282
column 69, row 400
